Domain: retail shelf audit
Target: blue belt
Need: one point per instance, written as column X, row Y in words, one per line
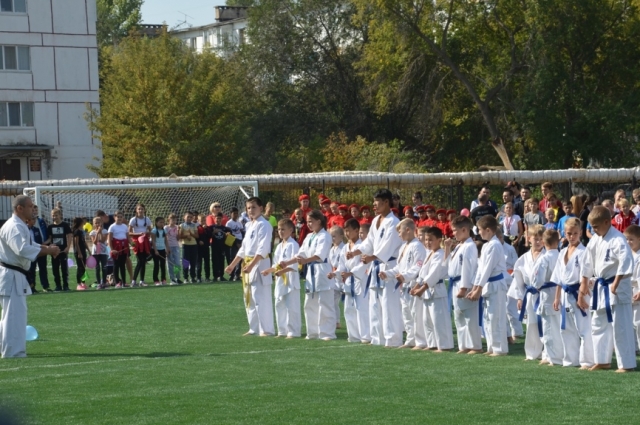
column 313, row 275
column 607, row 302
column 533, row 291
column 571, row 290
column 375, row 269
column 452, row 280
column 353, row 290
column 481, row 300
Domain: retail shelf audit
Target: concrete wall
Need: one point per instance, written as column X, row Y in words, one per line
column 62, row 83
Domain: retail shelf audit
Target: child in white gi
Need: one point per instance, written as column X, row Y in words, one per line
column 632, row 233
column 337, row 239
column 462, row 265
column 319, row 302
column 354, row 274
column 431, row 288
column 254, row 254
column 575, row 324
column 541, row 280
column 510, row 258
column 526, row 295
column 491, row 285
column 609, row 261
column 287, row 290
column 412, row 256
column 380, row 249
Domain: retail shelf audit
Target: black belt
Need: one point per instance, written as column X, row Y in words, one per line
column 16, row 268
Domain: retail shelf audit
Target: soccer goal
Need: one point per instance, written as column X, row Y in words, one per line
column 160, row 199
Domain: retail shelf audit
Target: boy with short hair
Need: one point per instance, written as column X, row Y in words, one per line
column 510, row 258
column 462, row 265
column 204, row 246
column 609, row 261
column 632, row 233
column 567, row 207
column 287, row 290
column 353, row 273
column 575, row 324
column 625, row 217
column 491, row 285
column 60, row 234
column 337, row 239
column 365, row 210
column 527, row 295
column 541, row 281
column 218, row 247
column 237, row 230
column 254, row 255
column 412, row 255
column 431, row 290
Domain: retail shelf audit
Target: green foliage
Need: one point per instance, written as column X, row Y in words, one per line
column 165, row 109
column 116, row 18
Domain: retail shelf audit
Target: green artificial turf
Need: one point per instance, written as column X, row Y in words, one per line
column 176, row 355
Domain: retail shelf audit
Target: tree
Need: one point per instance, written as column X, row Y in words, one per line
column 166, row 109
column 116, row 18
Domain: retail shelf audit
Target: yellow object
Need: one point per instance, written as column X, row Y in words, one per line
column 229, row 240
column 285, row 279
column 246, row 285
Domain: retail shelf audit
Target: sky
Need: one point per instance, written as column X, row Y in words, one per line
column 199, row 12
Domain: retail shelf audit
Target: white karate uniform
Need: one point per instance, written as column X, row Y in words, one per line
column 436, row 314
column 16, row 249
column 356, row 306
column 607, row 257
column 334, row 261
column 257, row 241
column 319, row 301
column 515, row 325
column 412, row 256
column 462, row 265
column 522, row 276
column 383, row 241
column 490, row 266
column 635, row 282
column 576, row 336
column 287, row 296
column 551, row 338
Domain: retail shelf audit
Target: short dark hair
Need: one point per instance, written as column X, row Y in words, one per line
column 434, row 231
column 384, row 194
column 158, row 219
column 418, row 195
column 286, row 222
column 352, row 223
column 487, row 222
column 254, row 199
column 234, row 209
column 551, row 237
column 100, row 213
column 220, row 215
column 461, row 222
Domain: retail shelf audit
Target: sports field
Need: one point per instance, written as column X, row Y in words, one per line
column 176, row 355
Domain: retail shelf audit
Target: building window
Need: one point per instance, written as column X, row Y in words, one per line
column 15, row 6
column 15, row 58
column 16, row 114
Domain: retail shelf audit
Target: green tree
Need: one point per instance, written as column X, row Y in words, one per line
column 165, row 109
column 116, row 18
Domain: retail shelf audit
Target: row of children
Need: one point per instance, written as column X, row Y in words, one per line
column 394, row 281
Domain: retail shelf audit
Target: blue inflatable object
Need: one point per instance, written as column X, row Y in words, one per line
column 32, row 333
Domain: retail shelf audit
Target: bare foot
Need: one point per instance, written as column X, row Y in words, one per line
column 441, row 351
column 585, row 367
column 248, row 334
column 290, row 337
column 464, row 351
column 405, row 346
column 475, row 352
column 625, row 370
column 264, row 334
column 603, row 366
column 326, row 339
column 417, row 348
column 544, row 361
column 430, row 348
column 497, row 354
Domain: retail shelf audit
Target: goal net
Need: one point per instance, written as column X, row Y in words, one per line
column 160, row 199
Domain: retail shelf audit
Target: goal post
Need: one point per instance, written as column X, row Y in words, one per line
column 160, row 199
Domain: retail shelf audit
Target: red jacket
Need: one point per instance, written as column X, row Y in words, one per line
column 302, row 230
column 621, row 222
column 445, row 227
column 365, row 220
column 304, row 212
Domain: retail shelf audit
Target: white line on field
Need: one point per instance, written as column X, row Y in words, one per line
column 232, row 353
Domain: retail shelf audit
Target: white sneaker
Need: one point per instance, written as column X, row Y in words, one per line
column 173, row 283
column 133, row 284
column 142, row 283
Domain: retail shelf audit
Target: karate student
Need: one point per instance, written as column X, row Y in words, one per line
column 550, row 317
column 337, row 240
column 527, row 296
column 353, row 273
column 575, row 324
column 287, row 290
column 412, row 256
column 17, row 251
column 433, row 292
column 380, row 250
column 491, row 285
column 462, row 265
column 254, row 255
column 609, row 261
column 510, row 258
column 632, row 233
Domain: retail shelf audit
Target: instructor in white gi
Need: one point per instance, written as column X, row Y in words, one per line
column 17, row 251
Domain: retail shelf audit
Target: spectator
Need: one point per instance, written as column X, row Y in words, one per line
column 547, row 188
column 485, row 190
column 484, row 208
column 214, row 209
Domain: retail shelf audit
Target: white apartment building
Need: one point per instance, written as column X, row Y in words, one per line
column 222, row 36
column 48, row 79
